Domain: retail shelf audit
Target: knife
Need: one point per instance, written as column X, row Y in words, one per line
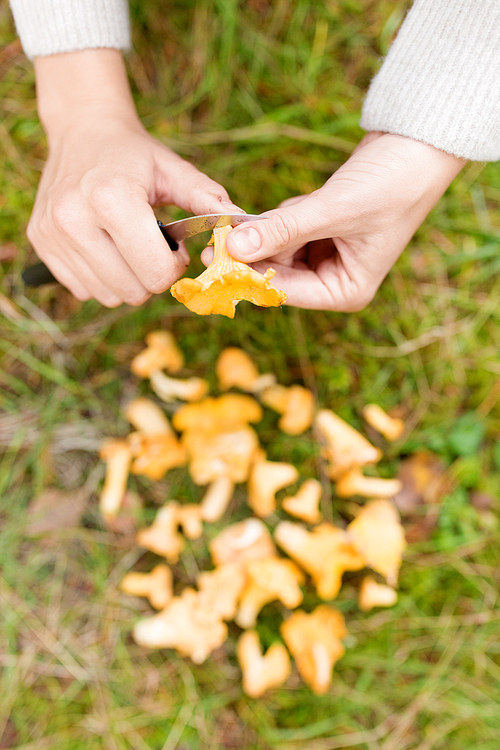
column 174, row 232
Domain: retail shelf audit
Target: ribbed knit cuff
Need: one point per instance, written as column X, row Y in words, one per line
column 440, row 82
column 47, row 27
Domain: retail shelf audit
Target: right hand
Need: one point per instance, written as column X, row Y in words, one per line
column 92, row 222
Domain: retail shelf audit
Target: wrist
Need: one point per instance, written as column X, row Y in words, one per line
column 83, row 86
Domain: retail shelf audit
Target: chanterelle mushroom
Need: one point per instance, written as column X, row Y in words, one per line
column 161, row 353
column 230, row 411
column 268, row 579
column 354, row 482
column 225, row 282
column 295, row 403
column 373, row 594
column 390, row 427
column 243, row 541
column 162, row 536
column 379, row 538
column 266, row 478
column 235, row 369
column 216, row 499
column 157, row 585
column 170, row 389
column 220, row 589
column 344, row 446
column 118, row 455
column 314, row 642
column 189, row 518
column 305, row 503
column 187, row 625
column 325, row 553
column 261, row 672
column 147, row 417
column 220, row 454
column 154, row 455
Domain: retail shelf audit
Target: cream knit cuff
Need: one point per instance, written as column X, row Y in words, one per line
column 47, row 27
column 440, row 82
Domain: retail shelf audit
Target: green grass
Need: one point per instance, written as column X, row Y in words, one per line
column 265, row 97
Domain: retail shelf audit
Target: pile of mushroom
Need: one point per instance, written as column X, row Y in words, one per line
column 216, row 439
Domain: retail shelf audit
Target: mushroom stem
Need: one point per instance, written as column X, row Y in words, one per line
column 156, row 586
column 261, row 672
column 216, row 499
column 147, row 417
column 390, row 427
column 355, row 483
column 118, row 455
column 169, row 389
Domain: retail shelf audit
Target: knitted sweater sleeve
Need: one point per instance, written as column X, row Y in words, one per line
column 440, row 82
column 47, row 27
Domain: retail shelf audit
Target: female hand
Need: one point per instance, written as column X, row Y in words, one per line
column 333, row 248
column 92, row 223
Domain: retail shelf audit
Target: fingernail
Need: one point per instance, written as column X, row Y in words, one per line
column 247, row 241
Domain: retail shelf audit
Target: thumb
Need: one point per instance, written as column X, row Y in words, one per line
column 281, row 231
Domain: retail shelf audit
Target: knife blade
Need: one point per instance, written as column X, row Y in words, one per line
column 173, row 232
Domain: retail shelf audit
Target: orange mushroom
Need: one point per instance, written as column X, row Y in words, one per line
column 390, row 427
column 344, row 446
column 325, row 553
column 147, row 417
column 373, row 594
column 235, row 369
column 213, row 455
column 216, row 499
column 354, row 482
column 243, row 541
column 154, row 455
column 226, row 412
column 225, row 282
column 221, row 588
column 162, row 537
column 305, row 503
column 161, row 353
column 190, row 520
column 379, row 538
column 187, row 625
column 156, row 586
column 295, row 403
column 118, row 456
column 266, row 478
column 170, row 389
column 269, row 578
column 261, row 672
column 314, row 640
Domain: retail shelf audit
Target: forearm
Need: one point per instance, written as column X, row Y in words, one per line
column 87, row 85
column 440, row 82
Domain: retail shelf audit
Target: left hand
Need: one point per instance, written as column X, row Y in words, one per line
column 333, row 248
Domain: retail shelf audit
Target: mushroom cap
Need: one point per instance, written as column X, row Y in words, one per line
column 345, row 447
column 234, row 368
column 314, row 642
column 325, row 553
column 187, row 625
column 390, row 427
column 170, row 389
column 156, row 585
column 220, row 589
column 217, row 414
column 225, row 282
column 155, row 454
column 162, row 537
column 261, row 672
column 241, row 542
column 266, row 478
column 147, row 417
column 305, row 503
column 295, row 403
column 220, row 454
column 353, row 482
column 268, row 579
column 373, row 594
column 379, row 538
column 161, row 353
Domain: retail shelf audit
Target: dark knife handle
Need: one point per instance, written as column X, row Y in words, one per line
column 39, row 274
